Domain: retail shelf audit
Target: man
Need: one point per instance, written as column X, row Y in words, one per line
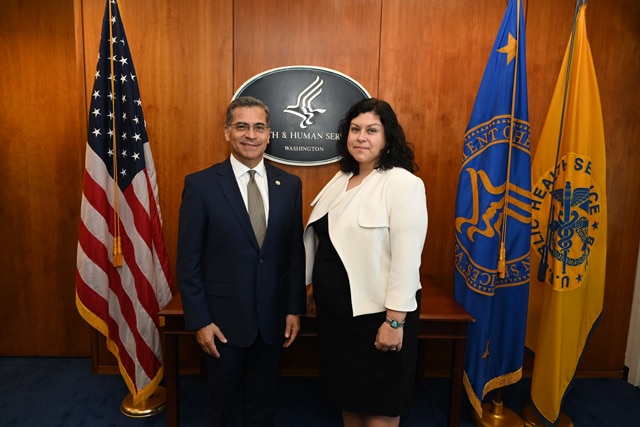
column 242, row 288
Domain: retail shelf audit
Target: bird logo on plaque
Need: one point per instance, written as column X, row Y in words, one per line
column 306, row 104
column 303, row 108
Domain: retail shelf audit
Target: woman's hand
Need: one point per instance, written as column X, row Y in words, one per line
column 311, row 302
column 390, row 338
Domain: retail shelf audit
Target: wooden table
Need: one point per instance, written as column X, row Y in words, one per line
column 441, row 317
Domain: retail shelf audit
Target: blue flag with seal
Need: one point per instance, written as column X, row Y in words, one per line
column 493, row 217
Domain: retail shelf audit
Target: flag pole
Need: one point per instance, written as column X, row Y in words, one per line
column 496, row 414
column 531, row 418
column 156, row 402
column 117, row 246
column 542, row 269
column 148, row 407
column 529, row 414
column 502, row 256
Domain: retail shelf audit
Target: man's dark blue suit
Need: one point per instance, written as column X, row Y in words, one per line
column 224, row 275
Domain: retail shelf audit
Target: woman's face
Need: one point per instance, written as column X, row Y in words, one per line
column 366, row 140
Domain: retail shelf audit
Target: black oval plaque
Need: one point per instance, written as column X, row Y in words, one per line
column 306, row 105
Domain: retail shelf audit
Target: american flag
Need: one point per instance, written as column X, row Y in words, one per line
column 122, row 275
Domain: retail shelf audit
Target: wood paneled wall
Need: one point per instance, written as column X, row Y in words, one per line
column 41, row 155
column 426, row 57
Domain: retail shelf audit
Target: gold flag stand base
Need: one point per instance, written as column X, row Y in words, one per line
column 150, row 406
column 494, row 414
column 532, row 420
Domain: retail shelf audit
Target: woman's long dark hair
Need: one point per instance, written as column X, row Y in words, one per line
column 397, row 153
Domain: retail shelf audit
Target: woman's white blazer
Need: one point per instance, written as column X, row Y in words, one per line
column 379, row 241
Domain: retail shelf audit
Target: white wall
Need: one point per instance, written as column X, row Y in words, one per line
column 632, row 355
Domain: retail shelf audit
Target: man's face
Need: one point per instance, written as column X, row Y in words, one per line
column 248, row 135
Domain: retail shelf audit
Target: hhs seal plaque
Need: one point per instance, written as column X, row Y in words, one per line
column 306, row 104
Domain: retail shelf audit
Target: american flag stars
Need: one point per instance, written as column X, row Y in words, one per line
column 117, row 120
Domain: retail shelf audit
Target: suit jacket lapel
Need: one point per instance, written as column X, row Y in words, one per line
column 275, row 194
column 332, row 193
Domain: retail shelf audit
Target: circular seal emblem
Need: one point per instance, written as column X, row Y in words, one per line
column 486, row 199
column 571, row 230
column 306, row 105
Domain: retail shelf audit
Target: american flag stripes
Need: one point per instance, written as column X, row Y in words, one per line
column 122, row 276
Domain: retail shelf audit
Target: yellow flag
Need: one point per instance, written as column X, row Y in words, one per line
column 569, row 226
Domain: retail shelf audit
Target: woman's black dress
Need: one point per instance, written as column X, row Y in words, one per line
column 354, row 376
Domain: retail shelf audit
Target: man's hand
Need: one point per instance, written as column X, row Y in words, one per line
column 206, row 338
column 291, row 329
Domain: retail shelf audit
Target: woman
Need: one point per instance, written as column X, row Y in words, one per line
column 364, row 243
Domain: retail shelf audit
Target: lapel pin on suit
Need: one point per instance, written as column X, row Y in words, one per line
column 277, row 182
